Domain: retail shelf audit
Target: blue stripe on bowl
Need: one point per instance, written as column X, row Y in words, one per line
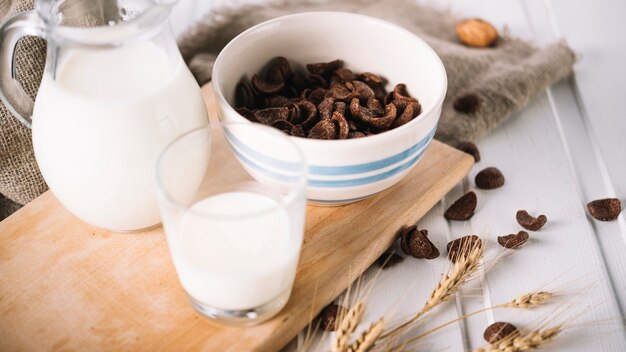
column 333, row 170
column 331, row 183
column 339, row 200
column 368, row 179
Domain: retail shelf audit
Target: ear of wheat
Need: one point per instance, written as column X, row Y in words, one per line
column 462, row 271
column 531, row 340
column 529, row 300
column 368, row 337
column 347, row 326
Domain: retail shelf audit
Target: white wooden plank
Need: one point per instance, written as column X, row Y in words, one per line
column 583, row 155
column 492, row 218
column 597, row 30
column 529, row 153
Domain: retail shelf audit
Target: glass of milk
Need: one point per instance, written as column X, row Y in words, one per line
column 115, row 90
column 234, row 237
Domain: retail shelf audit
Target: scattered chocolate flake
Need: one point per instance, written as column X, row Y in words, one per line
column 297, row 82
column 389, row 259
column 330, row 316
column 308, row 113
column 244, row 96
column 361, row 90
column 513, row 240
column 605, row 209
column 270, row 115
column 284, row 67
column 463, row 208
column 369, row 117
column 462, row 246
column 247, row 113
column 357, row 104
column 324, row 129
column 283, row 125
column 325, row 108
column 324, row 68
column 489, row 178
column 340, row 107
column 277, row 101
column 298, row 131
column 498, row 331
column 529, row 222
column 371, row 79
column 376, row 106
column 406, row 113
column 400, row 92
column 264, row 87
column 467, row 103
column 344, row 75
column 341, row 125
column 355, row 135
column 316, row 96
column 471, row 149
column 315, row 80
column 415, row 243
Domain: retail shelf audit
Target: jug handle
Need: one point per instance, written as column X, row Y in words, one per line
column 17, row 101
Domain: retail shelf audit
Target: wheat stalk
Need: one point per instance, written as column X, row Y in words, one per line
column 347, row 326
column 466, row 265
column 529, row 300
column 368, row 337
column 524, row 342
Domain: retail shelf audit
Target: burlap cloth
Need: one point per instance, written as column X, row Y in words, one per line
column 505, row 76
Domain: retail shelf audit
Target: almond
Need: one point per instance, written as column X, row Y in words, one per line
column 476, row 33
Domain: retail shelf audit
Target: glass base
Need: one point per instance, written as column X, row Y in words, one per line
column 246, row 317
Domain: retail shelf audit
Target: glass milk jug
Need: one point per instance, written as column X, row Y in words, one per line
column 114, row 92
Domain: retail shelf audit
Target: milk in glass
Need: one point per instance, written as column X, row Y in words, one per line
column 234, row 251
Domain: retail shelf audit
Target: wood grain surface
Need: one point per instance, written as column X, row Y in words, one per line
column 69, row 286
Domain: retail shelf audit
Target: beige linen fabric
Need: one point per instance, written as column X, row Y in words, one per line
column 506, row 76
column 20, row 179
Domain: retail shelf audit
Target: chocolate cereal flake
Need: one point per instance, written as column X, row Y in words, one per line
column 605, row 209
column 325, row 129
column 330, row 316
column 467, row 103
column 462, row 246
column 415, row 243
column 529, row 222
column 498, row 331
column 471, row 149
column 463, row 208
column 513, row 240
column 489, row 178
column 389, row 259
column 264, row 87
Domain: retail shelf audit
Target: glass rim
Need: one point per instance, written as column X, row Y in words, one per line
column 292, row 195
column 147, row 24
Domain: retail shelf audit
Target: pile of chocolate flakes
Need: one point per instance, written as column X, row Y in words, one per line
column 327, row 102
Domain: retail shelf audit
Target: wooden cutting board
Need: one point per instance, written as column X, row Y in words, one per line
column 66, row 285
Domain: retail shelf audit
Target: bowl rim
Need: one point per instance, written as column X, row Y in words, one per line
column 215, row 78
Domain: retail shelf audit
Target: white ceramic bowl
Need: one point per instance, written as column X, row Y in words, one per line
column 341, row 171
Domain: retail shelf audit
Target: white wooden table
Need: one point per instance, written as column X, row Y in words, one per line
column 566, row 148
